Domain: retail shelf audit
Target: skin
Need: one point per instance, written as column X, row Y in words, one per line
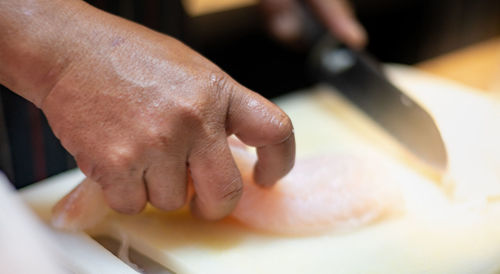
column 140, row 111
column 286, row 22
column 137, row 109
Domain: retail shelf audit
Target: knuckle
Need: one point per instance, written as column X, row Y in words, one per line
column 231, row 191
column 191, row 113
column 164, row 141
column 152, row 132
column 219, row 80
column 206, row 110
column 120, row 158
column 161, row 139
column 117, row 164
column 222, row 86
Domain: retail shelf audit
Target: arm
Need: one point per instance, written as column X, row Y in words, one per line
column 33, row 52
column 137, row 108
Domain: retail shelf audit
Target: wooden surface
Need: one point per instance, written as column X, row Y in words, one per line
column 476, row 66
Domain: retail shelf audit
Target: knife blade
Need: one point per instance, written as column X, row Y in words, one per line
column 141, row 263
column 359, row 78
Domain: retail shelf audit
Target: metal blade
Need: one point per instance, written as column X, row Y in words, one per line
column 360, row 79
column 145, row 264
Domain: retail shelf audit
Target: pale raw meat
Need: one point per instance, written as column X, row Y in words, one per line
column 324, row 193
column 82, row 208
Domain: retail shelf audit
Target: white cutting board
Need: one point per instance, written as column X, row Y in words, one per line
column 435, row 235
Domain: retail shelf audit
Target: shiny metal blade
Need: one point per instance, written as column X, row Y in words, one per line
column 145, row 264
column 360, row 79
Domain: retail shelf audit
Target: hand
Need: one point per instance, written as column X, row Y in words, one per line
column 286, row 22
column 139, row 111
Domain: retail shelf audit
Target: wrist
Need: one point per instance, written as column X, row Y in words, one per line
column 37, row 44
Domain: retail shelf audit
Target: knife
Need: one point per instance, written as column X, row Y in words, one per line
column 134, row 258
column 360, row 78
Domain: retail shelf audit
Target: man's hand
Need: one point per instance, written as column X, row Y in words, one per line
column 286, row 22
column 141, row 112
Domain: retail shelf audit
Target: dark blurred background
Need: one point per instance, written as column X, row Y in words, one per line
column 405, row 32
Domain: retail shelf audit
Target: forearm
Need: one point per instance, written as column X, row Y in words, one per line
column 136, row 108
column 29, row 48
column 41, row 39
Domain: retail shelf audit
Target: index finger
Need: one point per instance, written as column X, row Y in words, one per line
column 259, row 123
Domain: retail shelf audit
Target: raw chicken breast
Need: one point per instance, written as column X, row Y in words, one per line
column 320, row 194
column 82, row 208
column 331, row 192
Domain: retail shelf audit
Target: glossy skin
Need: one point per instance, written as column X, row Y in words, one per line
column 163, row 108
column 136, row 108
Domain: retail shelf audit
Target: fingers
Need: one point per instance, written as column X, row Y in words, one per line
column 216, row 179
column 83, row 208
column 339, row 18
column 275, row 161
column 166, row 181
column 125, row 195
column 125, row 186
column 258, row 122
column 120, row 178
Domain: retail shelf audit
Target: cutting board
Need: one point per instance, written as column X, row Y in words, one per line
column 437, row 233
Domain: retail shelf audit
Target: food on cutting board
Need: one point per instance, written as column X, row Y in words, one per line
column 439, row 232
column 337, row 191
column 469, row 122
column 82, row 208
column 322, row 193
